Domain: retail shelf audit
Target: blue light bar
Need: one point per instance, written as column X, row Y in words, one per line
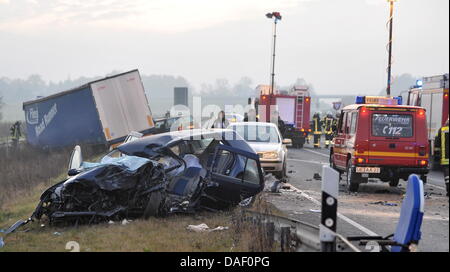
column 360, row 100
column 419, row 83
column 399, row 100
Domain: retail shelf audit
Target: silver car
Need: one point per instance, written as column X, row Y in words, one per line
column 266, row 140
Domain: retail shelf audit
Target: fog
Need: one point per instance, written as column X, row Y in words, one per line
column 338, row 46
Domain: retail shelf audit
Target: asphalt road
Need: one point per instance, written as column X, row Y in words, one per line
column 361, row 213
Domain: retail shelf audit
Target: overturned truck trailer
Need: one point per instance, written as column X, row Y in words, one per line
column 99, row 112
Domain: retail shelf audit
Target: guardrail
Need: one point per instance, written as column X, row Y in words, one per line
column 295, row 235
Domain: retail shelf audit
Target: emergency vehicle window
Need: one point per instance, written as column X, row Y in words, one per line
column 341, row 122
column 353, row 125
column 348, row 123
column 392, row 125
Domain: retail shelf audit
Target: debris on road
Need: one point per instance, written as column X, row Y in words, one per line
column 204, row 228
column 125, row 222
column 384, row 203
column 317, row 176
column 315, row 211
column 272, row 184
column 429, row 194
column 57, row 233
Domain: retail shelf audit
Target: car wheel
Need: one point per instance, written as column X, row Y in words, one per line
column 282, row 174
column 332, row 165
column 394, row 182
column 153, row 205
column 352, row 183
column 424, row 179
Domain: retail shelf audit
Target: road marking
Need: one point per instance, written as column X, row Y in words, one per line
column 321, row 154
column 318, row 153
column 341, row 216
column 436, row 186
column 316, row 162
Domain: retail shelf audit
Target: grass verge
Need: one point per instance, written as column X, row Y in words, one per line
column 154, row 235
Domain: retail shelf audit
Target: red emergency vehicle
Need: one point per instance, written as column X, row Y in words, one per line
column 432, row 94
column 379, row 138
column 294, row 109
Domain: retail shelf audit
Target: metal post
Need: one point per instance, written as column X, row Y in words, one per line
column 391, row 20
column 273, row 56
column 330, row 189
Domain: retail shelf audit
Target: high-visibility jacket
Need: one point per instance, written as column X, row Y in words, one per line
column 317, row 125
column 335, row 124
column 328, row 125
column 441, row 144
column 15, row 131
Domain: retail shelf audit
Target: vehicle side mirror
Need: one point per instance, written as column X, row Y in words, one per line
column 287, row 142
column 73, row 172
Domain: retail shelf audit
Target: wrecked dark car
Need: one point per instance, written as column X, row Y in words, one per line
column 183, row 171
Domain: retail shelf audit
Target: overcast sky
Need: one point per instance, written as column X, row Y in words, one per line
column 337, row 45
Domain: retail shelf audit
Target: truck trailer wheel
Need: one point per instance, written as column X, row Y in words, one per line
column 352, row 182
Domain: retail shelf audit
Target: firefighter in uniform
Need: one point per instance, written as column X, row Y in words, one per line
column 16, row 133
column 317, row 129
column 441, row 147
column 328, row 128
column 311, row 125
column 335, row 123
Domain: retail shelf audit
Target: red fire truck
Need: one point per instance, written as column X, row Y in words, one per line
column 293, row 108
column 378, row 137
column 432, row 94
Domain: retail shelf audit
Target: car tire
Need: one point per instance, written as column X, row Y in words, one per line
column 283, row 173
column 352, row 183
column 394, row 182
column 332, row 165
column 153, row 205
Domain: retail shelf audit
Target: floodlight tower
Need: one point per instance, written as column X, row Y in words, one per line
column 276, row 16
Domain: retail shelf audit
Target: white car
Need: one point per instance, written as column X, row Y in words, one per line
column 266, row 140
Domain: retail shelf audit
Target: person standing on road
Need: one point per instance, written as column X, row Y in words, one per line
column 328, row 127
column 317, row 129
column 16, row 133
column 281, row 126
column 441, row 147
column 246, row 117
column 335, row 123
column 251, row 116
column 221, row 121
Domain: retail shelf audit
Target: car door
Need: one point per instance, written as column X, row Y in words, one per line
column 75, row 162
column 236, row 173
column 339, row 155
